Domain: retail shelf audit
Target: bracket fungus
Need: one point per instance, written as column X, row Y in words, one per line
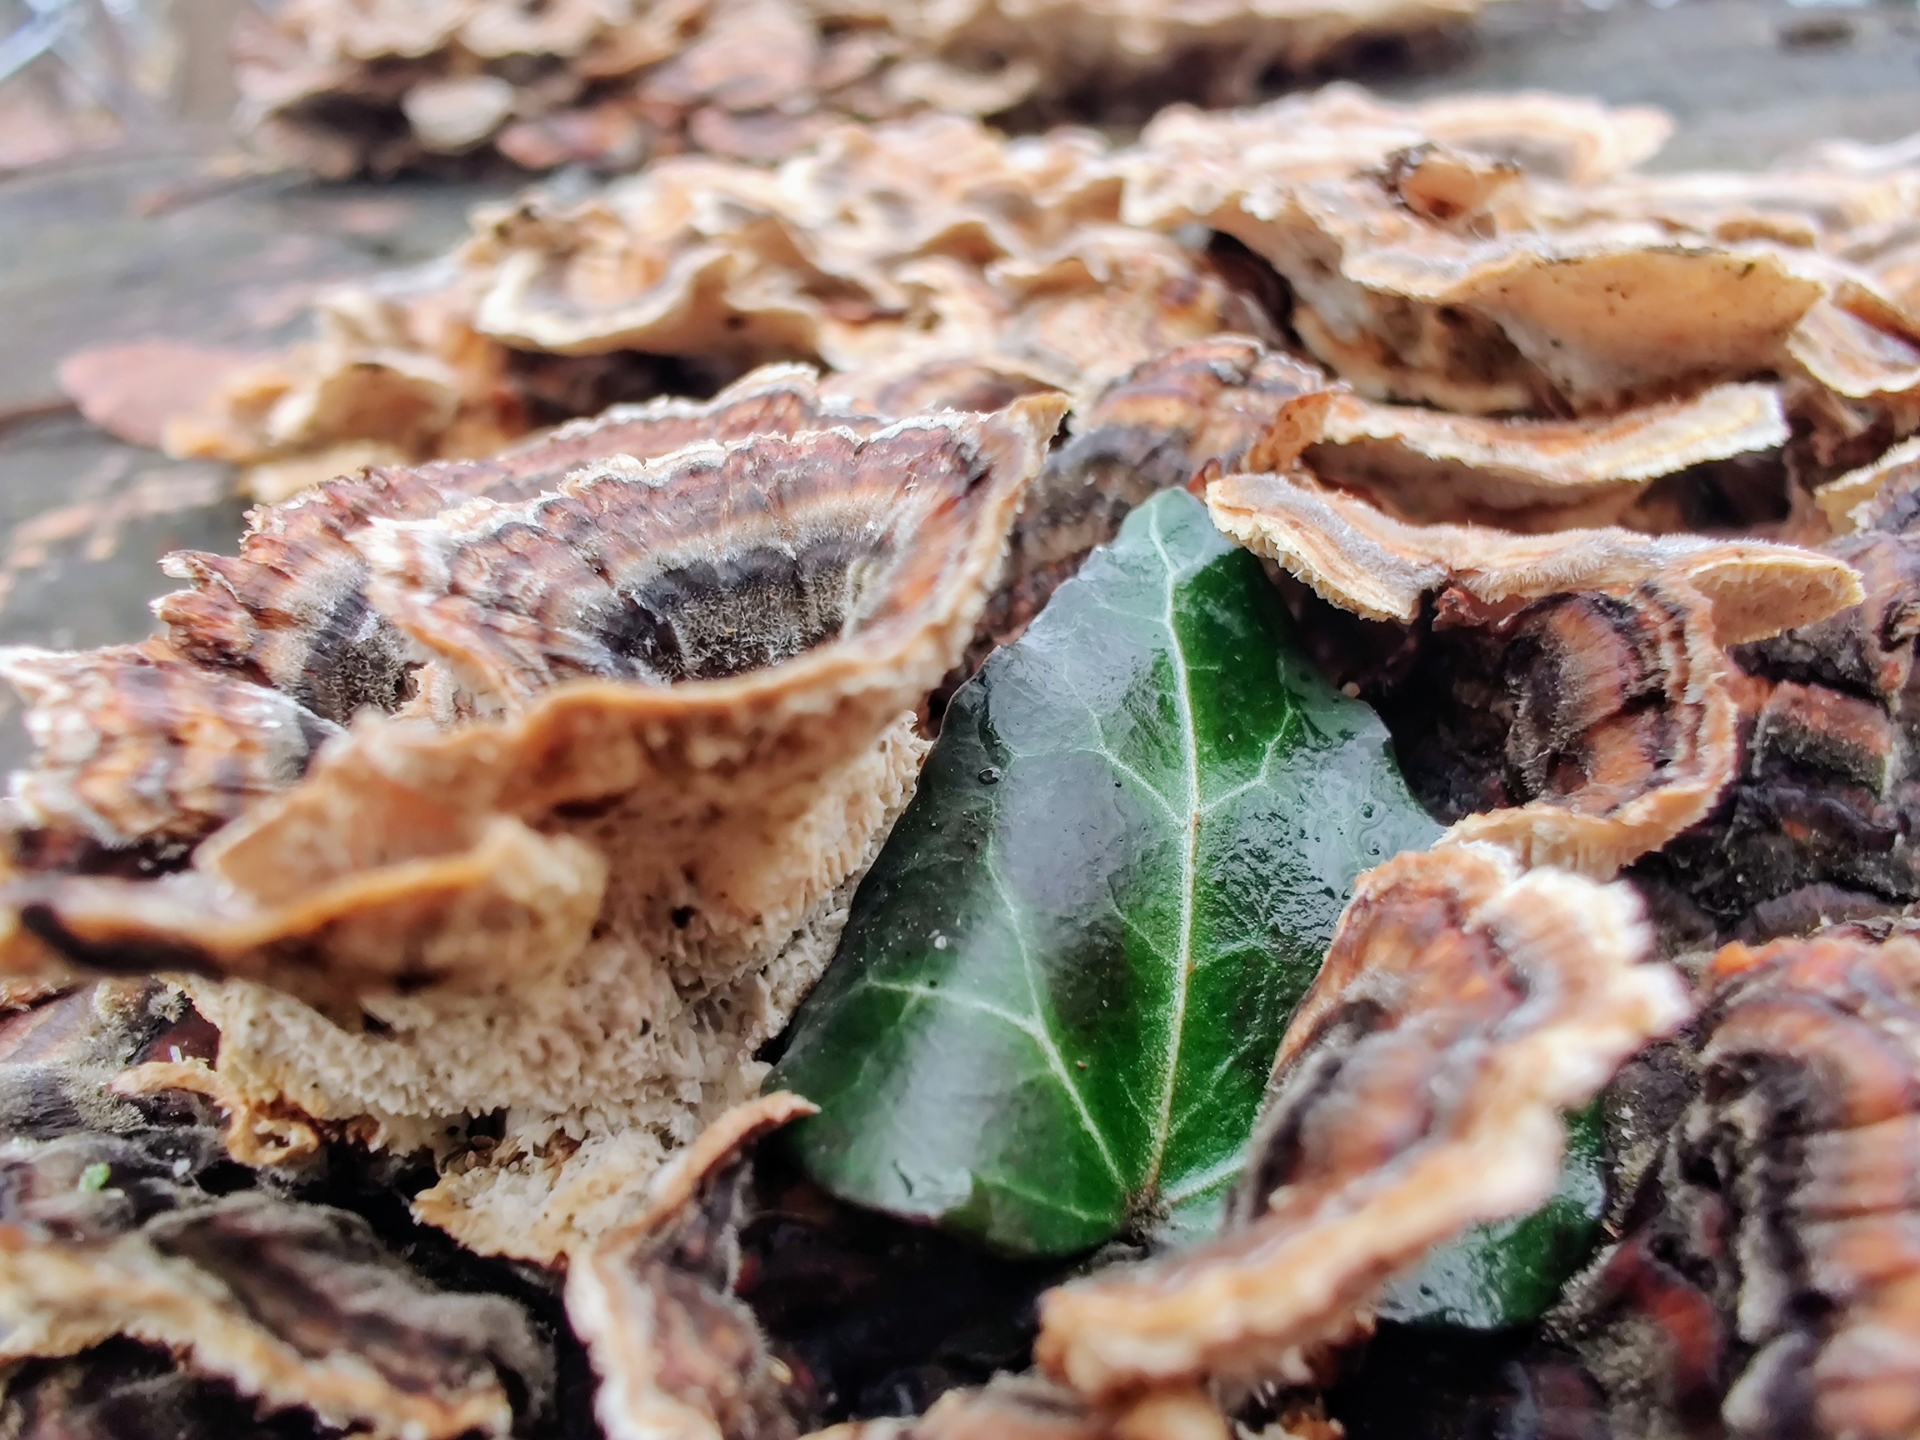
column 1428, row 465
column 295, row 1304
column 1763, row 1287
column 385, row 86
column 123, row 1217
column 1816, row 819
column 1029, row 1407
column 1591, row 714
column 678, row 1354
column 134, row 745
column 1435, row 256
column 1490, row 255
column 291, row 608
column 1462, row 1007
column 1226, row 400
column 593, row 899
column 436, row 892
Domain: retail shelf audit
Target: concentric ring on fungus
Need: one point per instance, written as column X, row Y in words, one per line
column 587, row 911
column 1766, row 1282
column 1462, row 1008
column 135, row 746
column 1606, row 647
column 291, row 608
column 1818, row 821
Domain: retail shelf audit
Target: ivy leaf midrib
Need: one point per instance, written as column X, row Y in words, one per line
column 1190, row 868
column 1118, row 921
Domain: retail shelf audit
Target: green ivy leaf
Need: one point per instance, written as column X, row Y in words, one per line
column 1065, row 979
column 1509, row 1273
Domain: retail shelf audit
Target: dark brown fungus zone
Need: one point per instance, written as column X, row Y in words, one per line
column 1768, row 1284
column 1817, row 822
column 123, row 1220
column 63, row 1049
column 1463, row 1007
column 291, row 609
column 722, row 562
column 122, row 1390
column 675, row 724
column 1566, row 694
column 295, row 1304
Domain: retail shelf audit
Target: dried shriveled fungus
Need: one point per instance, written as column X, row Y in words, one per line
column 884, row 252
column 1765, row 1285
column 680, row 1355
column 586, row 912
column 295, row 1304
column 122, row 1218
column 1462, row 1008
column 677, row 1353
column 1879, row 496
column 1568, row 694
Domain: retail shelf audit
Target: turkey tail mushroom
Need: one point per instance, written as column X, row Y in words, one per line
column 442, row 922
column 1592, row 715
column 1462, row 1008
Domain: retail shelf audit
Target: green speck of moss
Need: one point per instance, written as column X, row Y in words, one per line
column 95, row 1177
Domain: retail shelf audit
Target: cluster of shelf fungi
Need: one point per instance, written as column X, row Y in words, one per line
column 395, row 939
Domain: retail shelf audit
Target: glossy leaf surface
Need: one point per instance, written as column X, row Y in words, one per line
column 1509, row 1273
column 1066, row 977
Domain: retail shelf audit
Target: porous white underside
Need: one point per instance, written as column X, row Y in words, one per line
column 601, row 1072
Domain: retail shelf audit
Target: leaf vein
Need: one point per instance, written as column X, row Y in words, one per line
column 1043, row 1038
column 1190, row 859
column 1207, row 1179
